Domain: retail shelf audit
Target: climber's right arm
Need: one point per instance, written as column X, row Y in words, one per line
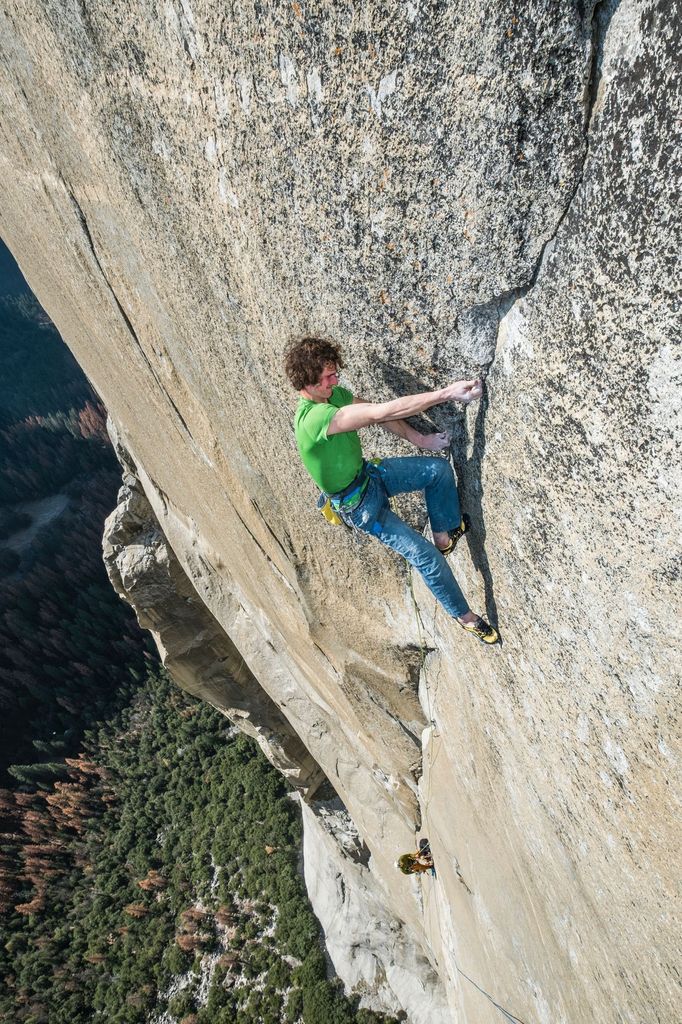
column 367, row 414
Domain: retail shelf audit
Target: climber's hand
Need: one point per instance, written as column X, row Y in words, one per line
column 464, row 391
column 435, row 442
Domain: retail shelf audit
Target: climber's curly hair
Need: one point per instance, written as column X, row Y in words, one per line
column 306, row 358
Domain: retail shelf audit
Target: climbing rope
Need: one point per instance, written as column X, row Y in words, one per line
column 510, row 1017
column 422, row 646
column 507, row 1014
column 427, row 686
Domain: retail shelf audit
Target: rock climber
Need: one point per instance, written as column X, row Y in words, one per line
column 326, row 423
column 418, row 862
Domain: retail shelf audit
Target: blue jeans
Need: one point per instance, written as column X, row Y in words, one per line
column 374, row 516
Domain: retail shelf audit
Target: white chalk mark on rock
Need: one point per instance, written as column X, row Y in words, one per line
column 242, row 84
column 314, row 83
column 227, row 193
column 387, row 87
column 287, row 70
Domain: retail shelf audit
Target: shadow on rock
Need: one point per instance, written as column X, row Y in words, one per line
column 398, row 381
column 471, row 493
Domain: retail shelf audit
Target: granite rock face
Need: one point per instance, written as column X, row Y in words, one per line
column 378, row 957
column 448, row 189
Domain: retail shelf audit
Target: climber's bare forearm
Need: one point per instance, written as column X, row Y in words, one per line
column 403, row 429
column 368, row 414
column 365, row 414
column 427, row 442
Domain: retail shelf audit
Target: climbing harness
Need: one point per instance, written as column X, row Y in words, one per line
column 332, row 506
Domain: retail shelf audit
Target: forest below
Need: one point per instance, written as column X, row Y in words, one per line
column 149, row 855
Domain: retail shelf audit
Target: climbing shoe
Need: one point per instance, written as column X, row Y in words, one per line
column 481, row 629
column 454, row 535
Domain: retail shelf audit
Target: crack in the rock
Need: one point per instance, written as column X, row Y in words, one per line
column 591, row 89
column 266, row 524
column 483, row 320
column 598, row 34
column 252, row 535
column 413, row 738
column 326, row 656
column 126, row 319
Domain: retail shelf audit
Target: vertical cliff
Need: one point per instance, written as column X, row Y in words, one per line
column 447, row 189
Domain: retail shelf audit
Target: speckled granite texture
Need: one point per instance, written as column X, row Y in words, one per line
column 448, row 189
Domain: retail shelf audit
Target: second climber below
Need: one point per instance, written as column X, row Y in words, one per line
column 326, row 423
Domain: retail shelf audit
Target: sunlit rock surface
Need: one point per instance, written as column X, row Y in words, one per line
column 448, row 189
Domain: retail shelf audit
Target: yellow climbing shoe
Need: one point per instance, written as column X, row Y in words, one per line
column 481, row 629
column 463, row 528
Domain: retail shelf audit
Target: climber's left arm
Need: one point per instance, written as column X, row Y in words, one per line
column 429, row 442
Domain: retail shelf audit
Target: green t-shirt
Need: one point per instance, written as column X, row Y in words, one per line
column 331, row 461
